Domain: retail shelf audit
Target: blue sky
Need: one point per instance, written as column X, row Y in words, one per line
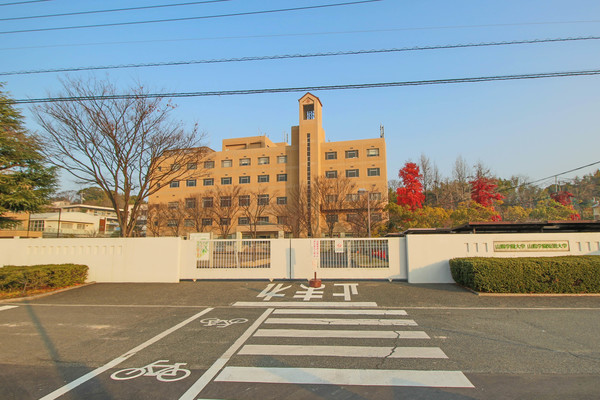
column 534, row 128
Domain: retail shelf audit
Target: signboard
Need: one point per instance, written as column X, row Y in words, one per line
column 339, row 245
column 202, row 245
column 315, row 247
column 532, row 245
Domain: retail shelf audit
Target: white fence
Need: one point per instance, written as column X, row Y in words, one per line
column 416, row 258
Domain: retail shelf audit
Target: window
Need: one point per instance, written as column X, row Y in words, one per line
column 331, row 198
column 309, row 111
column 192, row 165
column 375, row 196
column 351, row 173
column 206, row 221
column 190, row 203
column 281, row 177
column 226, row 163
column 263, row 199
column 282, row 200
column 158, row 185
column 332, row 218
column 331, row 155
column 208, row 182
column 372, row 171
column 352, row 197
column 209, row 164
column 175, row 167
column 190, row 183
column 372, row 152
column 172, row 223
column 281, row 159
column 36, row 225
column 330, row 174
column 226, row 180
column 174, row 184
column 188, row 223
column 263, row 178
column 243, row 221
column 81, row 227
column 376, row 217
column 173, row 205
column 351, row 153
column 282, row 220
column 207, row 202
column 225, row 221
column 244, row 200
column 263, row 160
column 225, row 201
column 244, row 179
column 263, row 220
column 244, row 161
column 352, row 217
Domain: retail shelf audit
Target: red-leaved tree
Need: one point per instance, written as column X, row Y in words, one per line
column 483, row 191
column 411, row 194
column 563, row 197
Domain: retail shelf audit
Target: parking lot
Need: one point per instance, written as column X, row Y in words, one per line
column 257, row 339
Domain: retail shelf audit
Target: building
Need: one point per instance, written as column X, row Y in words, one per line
column 257, row 188
column 75, row 220
column 19, row 228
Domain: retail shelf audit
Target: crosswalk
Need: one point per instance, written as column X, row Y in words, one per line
column 396, row 336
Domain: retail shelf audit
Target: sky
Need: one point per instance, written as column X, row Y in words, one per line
column 533, row 128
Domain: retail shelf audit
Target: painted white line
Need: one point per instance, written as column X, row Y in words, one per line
column 361, row 377
column 342, row 304
column 2, row 308
column 70, row 386
column 342, row 351
column 302, row 311
column 342, row 321
column 214, row 369
column 341, row 334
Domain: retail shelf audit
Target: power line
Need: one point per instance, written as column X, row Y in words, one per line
column 289, row 35
column 290, row 56
column 192, row 18
column 311, row 88
column 111, row 10
column 22, row 2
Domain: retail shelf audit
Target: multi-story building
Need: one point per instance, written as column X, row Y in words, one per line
column 311, row 187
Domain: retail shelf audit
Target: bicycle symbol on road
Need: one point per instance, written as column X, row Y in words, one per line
column 162, row 372
column 222, row 323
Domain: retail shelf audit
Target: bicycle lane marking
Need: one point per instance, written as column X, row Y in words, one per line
column 111, row 364
column 214, row 369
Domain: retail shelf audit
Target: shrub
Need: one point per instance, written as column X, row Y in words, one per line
column 566, row 274
column 13, row 278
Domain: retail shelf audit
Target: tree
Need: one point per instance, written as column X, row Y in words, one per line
column 26, row 183
column 333, row 196
column 118, row 143
column 411, row 194
column 292, row 216
column 94, row 196
column 225, row 208
column 254, row 206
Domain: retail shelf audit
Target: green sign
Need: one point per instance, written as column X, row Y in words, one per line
column 532, row 245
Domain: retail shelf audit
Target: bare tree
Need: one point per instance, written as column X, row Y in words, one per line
column 333, row 199
column 156, row 218
column 293, row 216
column 254, row 206
column 225, row 208
column 360, row 208
column 117, row 142
column 197, row 213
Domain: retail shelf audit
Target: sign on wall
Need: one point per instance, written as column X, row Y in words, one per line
column 532, row 245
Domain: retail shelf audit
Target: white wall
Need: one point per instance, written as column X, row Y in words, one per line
column 109, row 260
column 428, row 255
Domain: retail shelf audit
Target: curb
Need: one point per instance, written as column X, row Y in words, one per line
column 37, row 296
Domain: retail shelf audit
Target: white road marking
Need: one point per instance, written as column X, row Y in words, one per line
column 342, row 351
column 214, row 369
column 361, row 377
column 305, row 304
column 299, row 311
column 342, row 321
column 70, row 386
column 2, row 308
column 341, row 334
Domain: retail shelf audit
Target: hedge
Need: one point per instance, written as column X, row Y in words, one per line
column 566, row 274
column 13, row 278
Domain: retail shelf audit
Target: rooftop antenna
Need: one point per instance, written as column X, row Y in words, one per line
column 381, row 130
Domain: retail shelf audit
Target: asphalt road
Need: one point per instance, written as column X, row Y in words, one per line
column 261, row 340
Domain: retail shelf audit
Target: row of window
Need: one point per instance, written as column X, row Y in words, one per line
column 228, row 180
column 332, row 155
column 226, row 201
column 353, row 173
column 263, row 220
column 332, row 198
